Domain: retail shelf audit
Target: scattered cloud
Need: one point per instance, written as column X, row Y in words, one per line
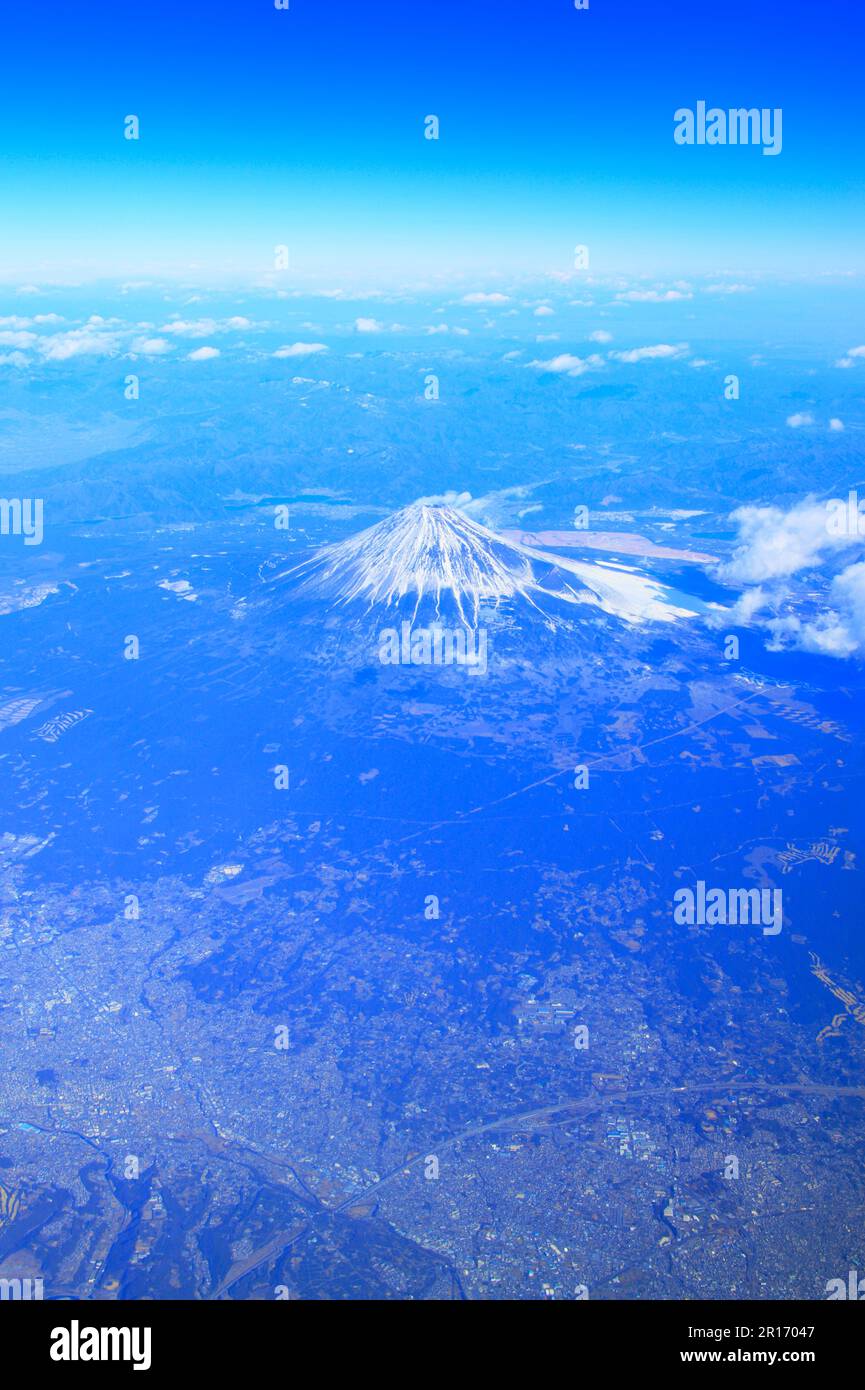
column 478, row 297
column 202, row 354
column 774, row 544
column 96, row 338
column 16, row 338
column 204, row 328
column 106, row 337
column 444, row 328
column 647, row 354
column 568, row 364
column 600, row 335
column 368, row 326
column 151, row 347
column 300, row 349
column 652, row 296
column 839, row 630
column 18, row 321
column 447, row 499
column 797, row 421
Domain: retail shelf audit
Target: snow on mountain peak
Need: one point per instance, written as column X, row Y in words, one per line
column 426, row 551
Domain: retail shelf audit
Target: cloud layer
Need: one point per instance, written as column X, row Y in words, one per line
column 773, row 547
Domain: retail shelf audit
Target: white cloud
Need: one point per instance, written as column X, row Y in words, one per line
column 300, row 349
column 848, row 595
column 568, row 364
column 368, row 326
column 744, row 610
column 729, row 289
column 151, row 347
column 648, row 354
column 16, row 339
column 447, row 499
column 839, row 631
column 190, row 328
column 773, row 547
column 204, row 328
column 600, row 335
column 478, row 297
column 836, row 425
column 202, row 354
column 653, row 296
column 92, row 340
column 17, row 321
column 101, row 336
column 801, row 418
column 544, row 311
column 774, row 544
column 849, row 360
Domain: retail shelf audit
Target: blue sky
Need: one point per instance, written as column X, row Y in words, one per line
column 305, row 128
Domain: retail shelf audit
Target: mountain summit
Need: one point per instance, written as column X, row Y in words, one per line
column 434, row 553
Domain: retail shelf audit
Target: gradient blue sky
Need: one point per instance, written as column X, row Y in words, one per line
column 261, row 127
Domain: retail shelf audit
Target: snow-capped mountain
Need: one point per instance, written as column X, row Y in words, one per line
column 438, row 555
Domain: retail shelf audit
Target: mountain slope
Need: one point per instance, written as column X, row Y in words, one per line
column 436, row 554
